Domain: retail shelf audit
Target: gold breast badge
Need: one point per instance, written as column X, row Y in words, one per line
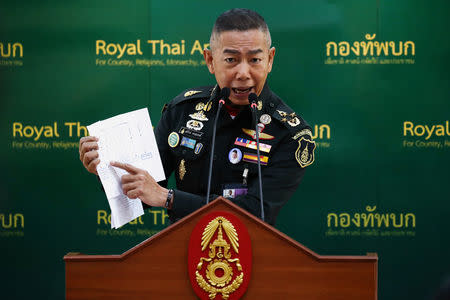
column 260, row 105
column 219, row 271
column 181, row 169
column 190, row 93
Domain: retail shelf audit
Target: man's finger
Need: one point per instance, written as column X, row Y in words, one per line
column 89, row 138
column 88, row 157
column 86, row 147
column 127, row 167
column 129, row 186
column 92, row 167
column 131, row 178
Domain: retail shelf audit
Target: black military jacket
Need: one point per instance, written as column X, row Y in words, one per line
column 184, row 136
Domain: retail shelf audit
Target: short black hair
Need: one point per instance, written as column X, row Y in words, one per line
column 240, row 19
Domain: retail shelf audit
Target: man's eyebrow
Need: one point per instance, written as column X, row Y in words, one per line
column 251, row 52
column 256, row 51
column 231, row 51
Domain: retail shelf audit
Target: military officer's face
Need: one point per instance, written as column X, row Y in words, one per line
column 240, row 60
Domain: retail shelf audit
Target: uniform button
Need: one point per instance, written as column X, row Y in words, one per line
column 271, row 104
column 184, row 151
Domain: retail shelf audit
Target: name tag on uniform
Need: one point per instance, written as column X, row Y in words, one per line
column 234, row 190
column 190, row 132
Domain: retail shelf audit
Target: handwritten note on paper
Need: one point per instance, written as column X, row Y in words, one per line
column 126, row 138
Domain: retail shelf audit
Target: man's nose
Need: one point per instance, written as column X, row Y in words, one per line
column 243, row 71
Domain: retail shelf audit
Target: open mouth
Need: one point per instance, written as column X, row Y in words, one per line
column 238, row 91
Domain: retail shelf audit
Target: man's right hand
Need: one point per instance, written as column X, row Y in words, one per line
column 89, row 154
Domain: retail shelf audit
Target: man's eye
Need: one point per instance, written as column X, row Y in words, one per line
column 256, row 60
column 230, row 59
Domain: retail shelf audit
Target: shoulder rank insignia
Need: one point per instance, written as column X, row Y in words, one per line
column 190, row 93
column 282, row 113
column 305, row 152
column 294, row 121
column 291, row 118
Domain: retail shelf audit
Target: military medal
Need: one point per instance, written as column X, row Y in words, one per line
column 173, row 139
column 252, row 145
column 200, row 116
column 253, row 158
column 190, row 93
column 193, row 124
column 265, row 119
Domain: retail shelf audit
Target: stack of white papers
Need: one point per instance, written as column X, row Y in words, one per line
column 126, row 138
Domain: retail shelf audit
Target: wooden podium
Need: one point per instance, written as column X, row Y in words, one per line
column 282, row 268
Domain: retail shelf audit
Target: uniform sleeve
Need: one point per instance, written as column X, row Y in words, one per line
column 280, row 180
column 161, row 135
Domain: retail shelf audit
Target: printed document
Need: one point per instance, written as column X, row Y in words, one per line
column 126, row 138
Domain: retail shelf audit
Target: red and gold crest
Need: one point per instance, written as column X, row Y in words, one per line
column 220, row 257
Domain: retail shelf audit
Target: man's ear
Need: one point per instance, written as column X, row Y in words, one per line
column 207, row 54
column 271, row 57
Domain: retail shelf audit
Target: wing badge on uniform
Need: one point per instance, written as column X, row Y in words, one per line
column 262, row 135
column 190, row 93
column 305, row 152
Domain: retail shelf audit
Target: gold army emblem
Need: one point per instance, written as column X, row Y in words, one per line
column 219, row 258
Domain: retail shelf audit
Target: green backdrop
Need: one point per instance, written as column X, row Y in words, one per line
column 371, row 77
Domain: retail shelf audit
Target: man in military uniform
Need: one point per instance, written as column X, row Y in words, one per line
column 240, row 58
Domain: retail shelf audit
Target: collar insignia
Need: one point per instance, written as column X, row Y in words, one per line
column 260, row 104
